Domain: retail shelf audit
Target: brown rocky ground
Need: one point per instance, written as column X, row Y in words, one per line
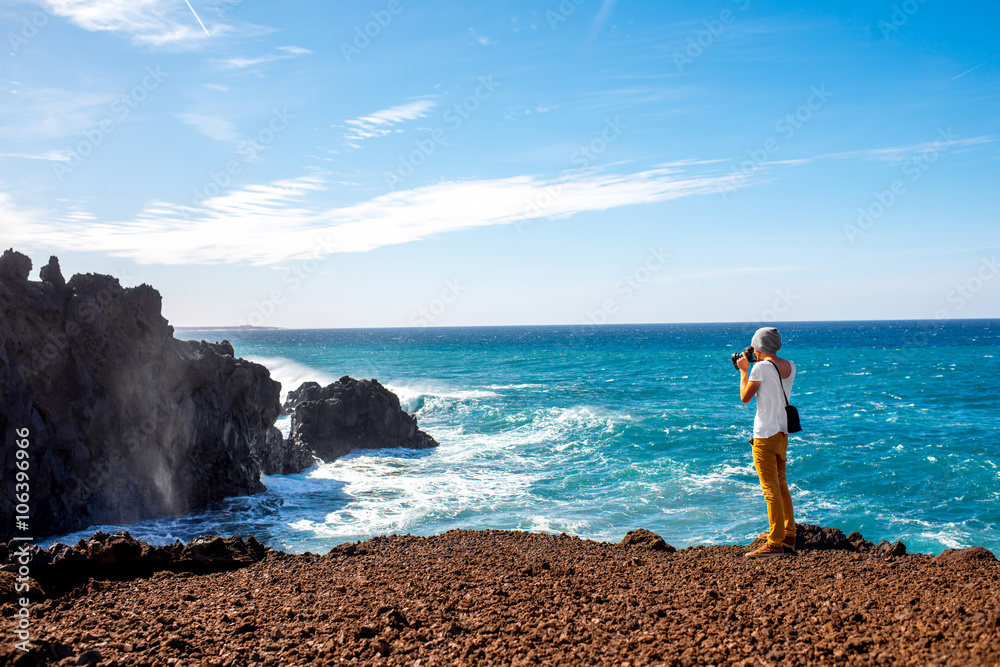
column 499, row 598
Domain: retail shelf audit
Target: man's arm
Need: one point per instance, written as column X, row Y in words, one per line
column 748, row 387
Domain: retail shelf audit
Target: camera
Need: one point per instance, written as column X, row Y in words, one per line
column 748, row 353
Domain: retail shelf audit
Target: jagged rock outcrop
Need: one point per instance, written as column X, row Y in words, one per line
column 278, row 457
column 124, row 421
column 809, row 536
column 352, row 414
column 122, row 557
column 307, row 391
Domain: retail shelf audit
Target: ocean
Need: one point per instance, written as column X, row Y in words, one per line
column 597, row 430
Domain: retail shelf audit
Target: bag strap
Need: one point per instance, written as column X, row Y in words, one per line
column 783, row 394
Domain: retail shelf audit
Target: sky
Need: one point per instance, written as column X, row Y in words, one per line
column 429, row 163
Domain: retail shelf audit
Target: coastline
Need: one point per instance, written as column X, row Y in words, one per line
column 510, row 597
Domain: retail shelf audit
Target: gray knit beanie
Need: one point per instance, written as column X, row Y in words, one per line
column 766, row 339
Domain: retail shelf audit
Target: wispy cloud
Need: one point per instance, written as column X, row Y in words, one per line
column 50, row 113
column 274, row 223
column 381, row 123
column 284, row 53
column 51, row 156
column 215, row 128
column 898, row 154
column 603, row 14
column 890, row 155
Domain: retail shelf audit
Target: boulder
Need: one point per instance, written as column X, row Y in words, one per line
column 278, row 457
column 886, row 549
column 123, row 421
column 353, row 414
column 645, row 539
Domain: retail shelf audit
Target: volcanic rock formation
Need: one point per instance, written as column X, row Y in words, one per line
column 351, row 414
column 122, row 421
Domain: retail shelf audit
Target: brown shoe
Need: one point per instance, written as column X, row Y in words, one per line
column 766, row 551
column 789, row 540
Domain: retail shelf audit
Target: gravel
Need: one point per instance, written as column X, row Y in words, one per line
column 503, row 598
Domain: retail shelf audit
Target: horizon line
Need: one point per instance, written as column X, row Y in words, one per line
column 581, row 324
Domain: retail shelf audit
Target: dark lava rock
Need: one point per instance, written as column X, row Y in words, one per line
column 278, row 457
column 353, row 414
column 885, row 549
column 121, row 557
column 645, row 539
column 124, row 422
column 51, row 273
column 307, row 391
column 812, row 537
column 859, row 542
column 809, row 536
column 14, row 265
column 970, row 555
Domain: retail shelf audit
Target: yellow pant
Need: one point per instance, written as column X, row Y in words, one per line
column 769, row 459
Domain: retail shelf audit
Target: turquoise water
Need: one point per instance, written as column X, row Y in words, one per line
column 595, row 431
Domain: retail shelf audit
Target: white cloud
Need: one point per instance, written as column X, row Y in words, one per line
column 286, row 52
column 482, row 40
column 380, row 123
column 150, row 22
column 215, row 128
column 275, row 223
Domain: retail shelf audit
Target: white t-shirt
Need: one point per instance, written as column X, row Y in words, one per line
column 771, row 417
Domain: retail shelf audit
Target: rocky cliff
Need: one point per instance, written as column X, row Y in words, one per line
column 124, row 421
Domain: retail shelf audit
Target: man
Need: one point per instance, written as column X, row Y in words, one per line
column 770, row 436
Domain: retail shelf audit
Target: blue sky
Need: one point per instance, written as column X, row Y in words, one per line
column 398, row 163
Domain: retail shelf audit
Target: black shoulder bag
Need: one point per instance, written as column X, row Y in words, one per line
column 790, row 411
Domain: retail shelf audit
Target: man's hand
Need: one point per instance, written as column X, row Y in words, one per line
column 742, row 363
